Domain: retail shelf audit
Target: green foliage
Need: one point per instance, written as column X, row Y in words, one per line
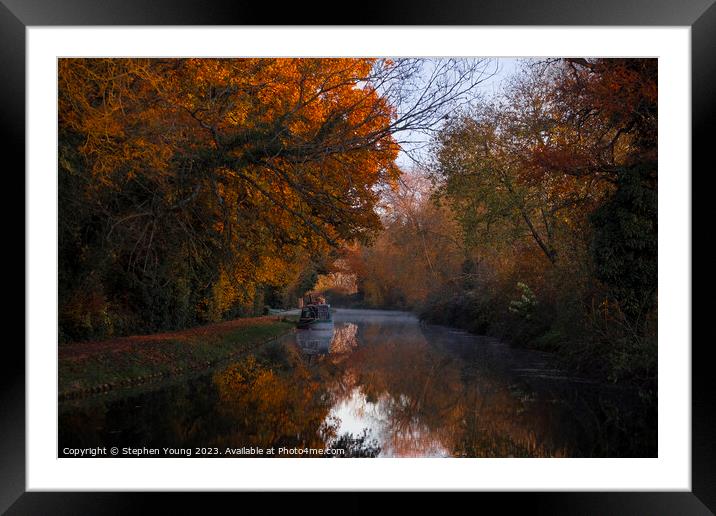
column 624, row 243
column 525, row 305
column 473, row 310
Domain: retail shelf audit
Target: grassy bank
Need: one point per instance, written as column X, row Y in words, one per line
column 90, row 367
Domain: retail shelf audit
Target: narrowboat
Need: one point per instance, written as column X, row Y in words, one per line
column 316, row 316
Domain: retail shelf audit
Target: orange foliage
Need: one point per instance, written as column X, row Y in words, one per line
column 227, row 174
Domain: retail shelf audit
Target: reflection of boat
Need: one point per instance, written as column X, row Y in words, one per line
column 315, row 341
column 316, row 316
column 337, row 341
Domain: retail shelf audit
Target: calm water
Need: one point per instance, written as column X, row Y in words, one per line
column 378, row 384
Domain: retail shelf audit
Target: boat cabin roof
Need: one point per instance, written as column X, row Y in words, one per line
column 316, row 311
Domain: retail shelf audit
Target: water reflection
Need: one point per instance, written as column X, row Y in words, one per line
column 322, row 341
column 315, row 341
column 378, row 384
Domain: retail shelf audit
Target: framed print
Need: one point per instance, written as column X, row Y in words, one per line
column 430, row 243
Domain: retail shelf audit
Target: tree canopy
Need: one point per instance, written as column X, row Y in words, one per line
column 194, row 189
column 540, row 225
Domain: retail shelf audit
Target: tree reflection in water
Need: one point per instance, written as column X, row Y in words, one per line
column 273, row 407
column 446, row 395
column 379, row 384
column 356, row 446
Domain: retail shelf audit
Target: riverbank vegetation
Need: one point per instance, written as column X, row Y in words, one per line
column 121, row 362
column 535, row 220
column 194, row 191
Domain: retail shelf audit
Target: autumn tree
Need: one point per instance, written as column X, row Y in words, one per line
column 552, row 184
column 190, row 186
column 616, row 102
column 419, row 249
column 487, row 164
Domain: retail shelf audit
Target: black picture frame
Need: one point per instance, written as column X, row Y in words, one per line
column 16, row 15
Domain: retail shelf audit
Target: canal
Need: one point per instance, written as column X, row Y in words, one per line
column 378, row 384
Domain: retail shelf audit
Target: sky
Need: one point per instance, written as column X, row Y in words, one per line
column 491, row 86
